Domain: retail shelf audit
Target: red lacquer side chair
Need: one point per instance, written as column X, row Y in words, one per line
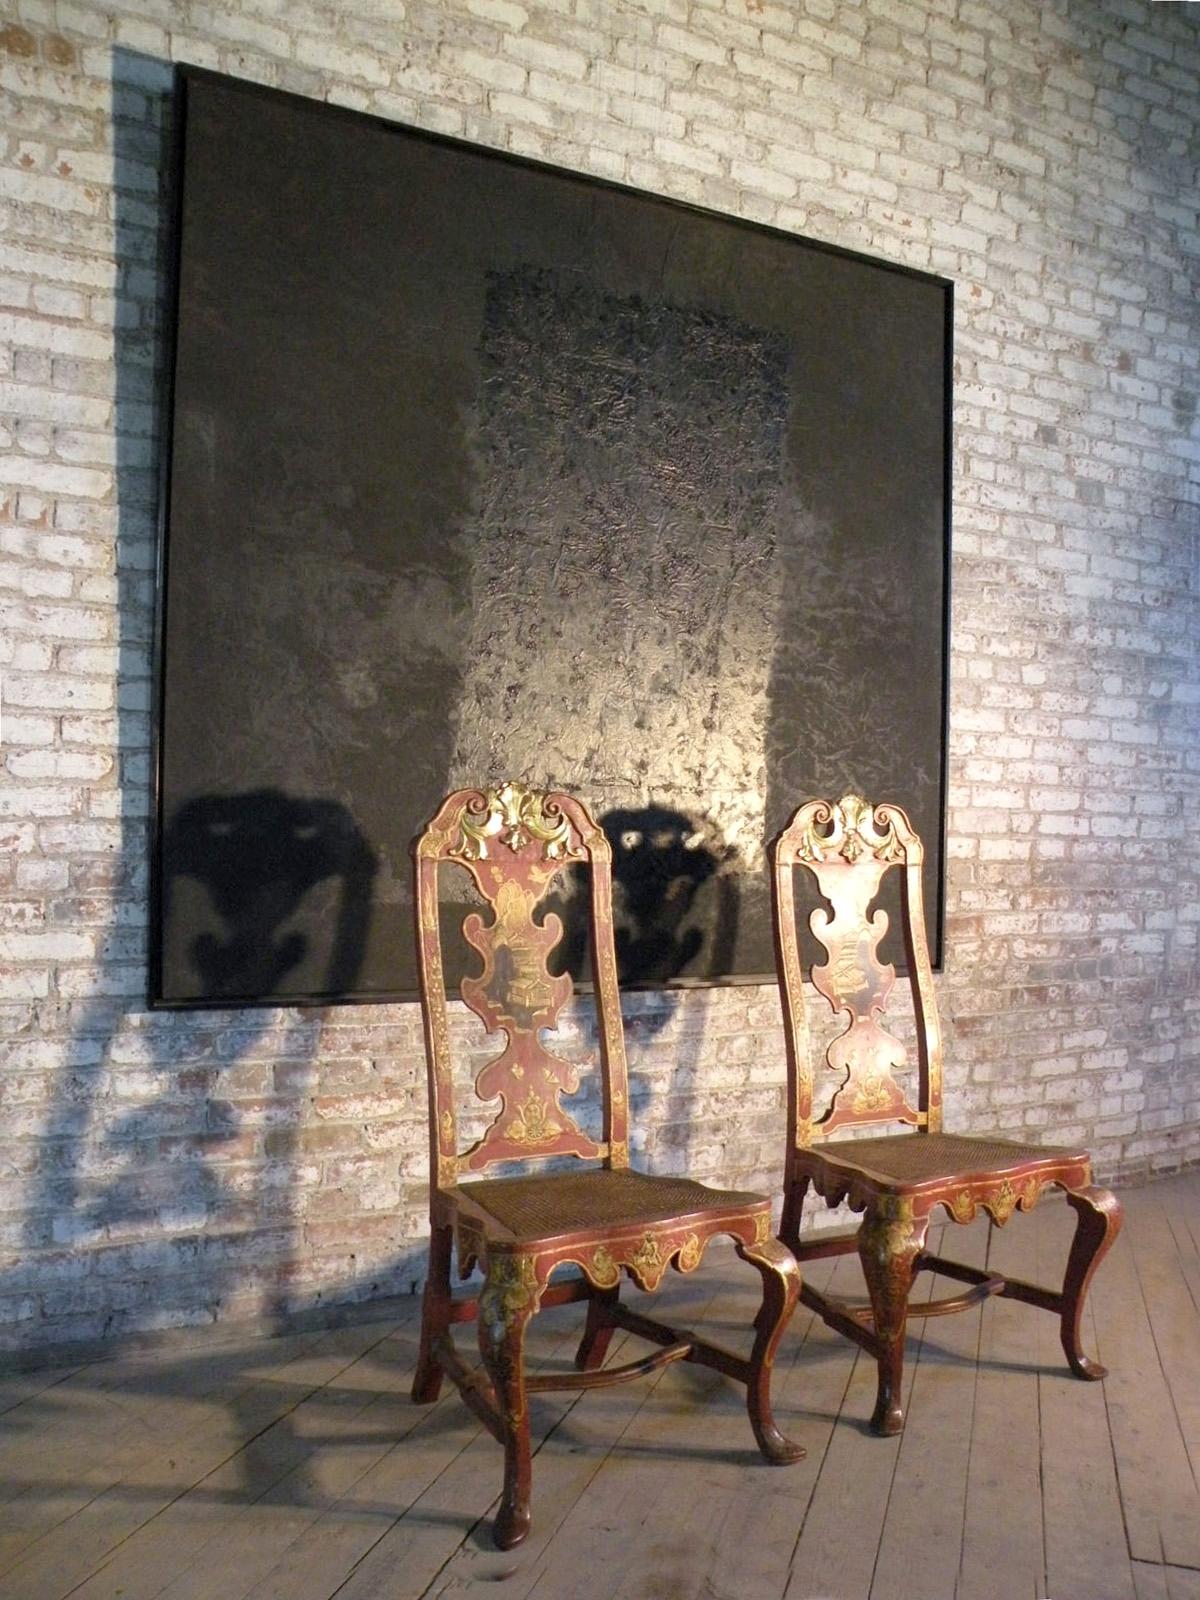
column 898, row 1180
column 603, row 1217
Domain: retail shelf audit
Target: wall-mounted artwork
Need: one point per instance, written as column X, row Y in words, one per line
column 480, row 468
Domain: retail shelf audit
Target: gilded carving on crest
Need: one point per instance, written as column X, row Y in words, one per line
column 512, row 815
column 848, row 829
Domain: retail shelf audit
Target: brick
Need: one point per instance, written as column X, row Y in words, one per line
column 547, row 57
column 357, row 65
column 692, row 45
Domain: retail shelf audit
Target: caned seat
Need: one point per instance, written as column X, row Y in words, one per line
column 904, row 1165
column 897, row 1180
column 538, row 1210
column 601, row 1219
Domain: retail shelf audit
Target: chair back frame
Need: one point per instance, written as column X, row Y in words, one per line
column 514, row 841
column 848, row 846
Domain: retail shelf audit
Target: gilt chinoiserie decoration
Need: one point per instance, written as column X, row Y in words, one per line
column 599, row 1217
column 898, row 1180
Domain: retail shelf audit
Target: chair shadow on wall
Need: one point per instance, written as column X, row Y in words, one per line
column 660, row 868
column 252, row 861
column 257, row 856
column 249, row 864
column 162, row 1177
column 76, row 1142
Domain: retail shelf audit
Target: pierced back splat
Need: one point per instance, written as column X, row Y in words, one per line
column 848, row 846
column 514, row 841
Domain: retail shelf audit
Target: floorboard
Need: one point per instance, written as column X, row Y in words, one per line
column 1002, row 1524
column 1087, row 1553
column 1158, row 1491
column 298, row 1469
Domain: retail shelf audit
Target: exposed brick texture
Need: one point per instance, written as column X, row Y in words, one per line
column 162, row 1170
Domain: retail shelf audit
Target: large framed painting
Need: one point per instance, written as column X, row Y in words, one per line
column 479, row 469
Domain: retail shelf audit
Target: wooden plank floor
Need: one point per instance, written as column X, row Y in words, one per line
column 297, row 1469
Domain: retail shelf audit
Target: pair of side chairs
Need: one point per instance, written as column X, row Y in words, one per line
column 604, row 1218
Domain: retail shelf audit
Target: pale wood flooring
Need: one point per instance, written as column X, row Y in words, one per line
column 297, row 1469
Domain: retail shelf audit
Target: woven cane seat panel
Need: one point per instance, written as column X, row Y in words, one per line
column 575, row 1202
column 913, row 1158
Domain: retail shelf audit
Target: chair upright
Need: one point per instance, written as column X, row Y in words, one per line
column 898, row 1180
column 603, row 1218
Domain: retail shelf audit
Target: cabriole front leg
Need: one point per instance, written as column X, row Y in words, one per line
column 781, row 1289
column 1099, row 1213
column 889, row 1245
column 509, row 1299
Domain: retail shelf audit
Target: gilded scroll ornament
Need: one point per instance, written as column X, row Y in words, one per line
column 847, row 829
column 762, row 1228
column 513, row 815
column 689, row 1256
column 603, row 1269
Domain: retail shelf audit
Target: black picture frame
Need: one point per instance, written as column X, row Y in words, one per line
column 455, row 438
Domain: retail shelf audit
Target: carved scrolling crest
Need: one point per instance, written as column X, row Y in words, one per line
column 513, row 815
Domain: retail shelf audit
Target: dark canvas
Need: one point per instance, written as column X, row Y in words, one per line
column 483, row 469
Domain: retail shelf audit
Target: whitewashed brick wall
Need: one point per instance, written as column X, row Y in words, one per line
column 159, row 1170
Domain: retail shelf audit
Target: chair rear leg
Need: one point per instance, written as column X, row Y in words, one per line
column 781, row 1289
column 1100, row 1215
column 598, row 1330
column 889, row 1247
column 794, row 1191
column 509, row 1299
column 435, row 1316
